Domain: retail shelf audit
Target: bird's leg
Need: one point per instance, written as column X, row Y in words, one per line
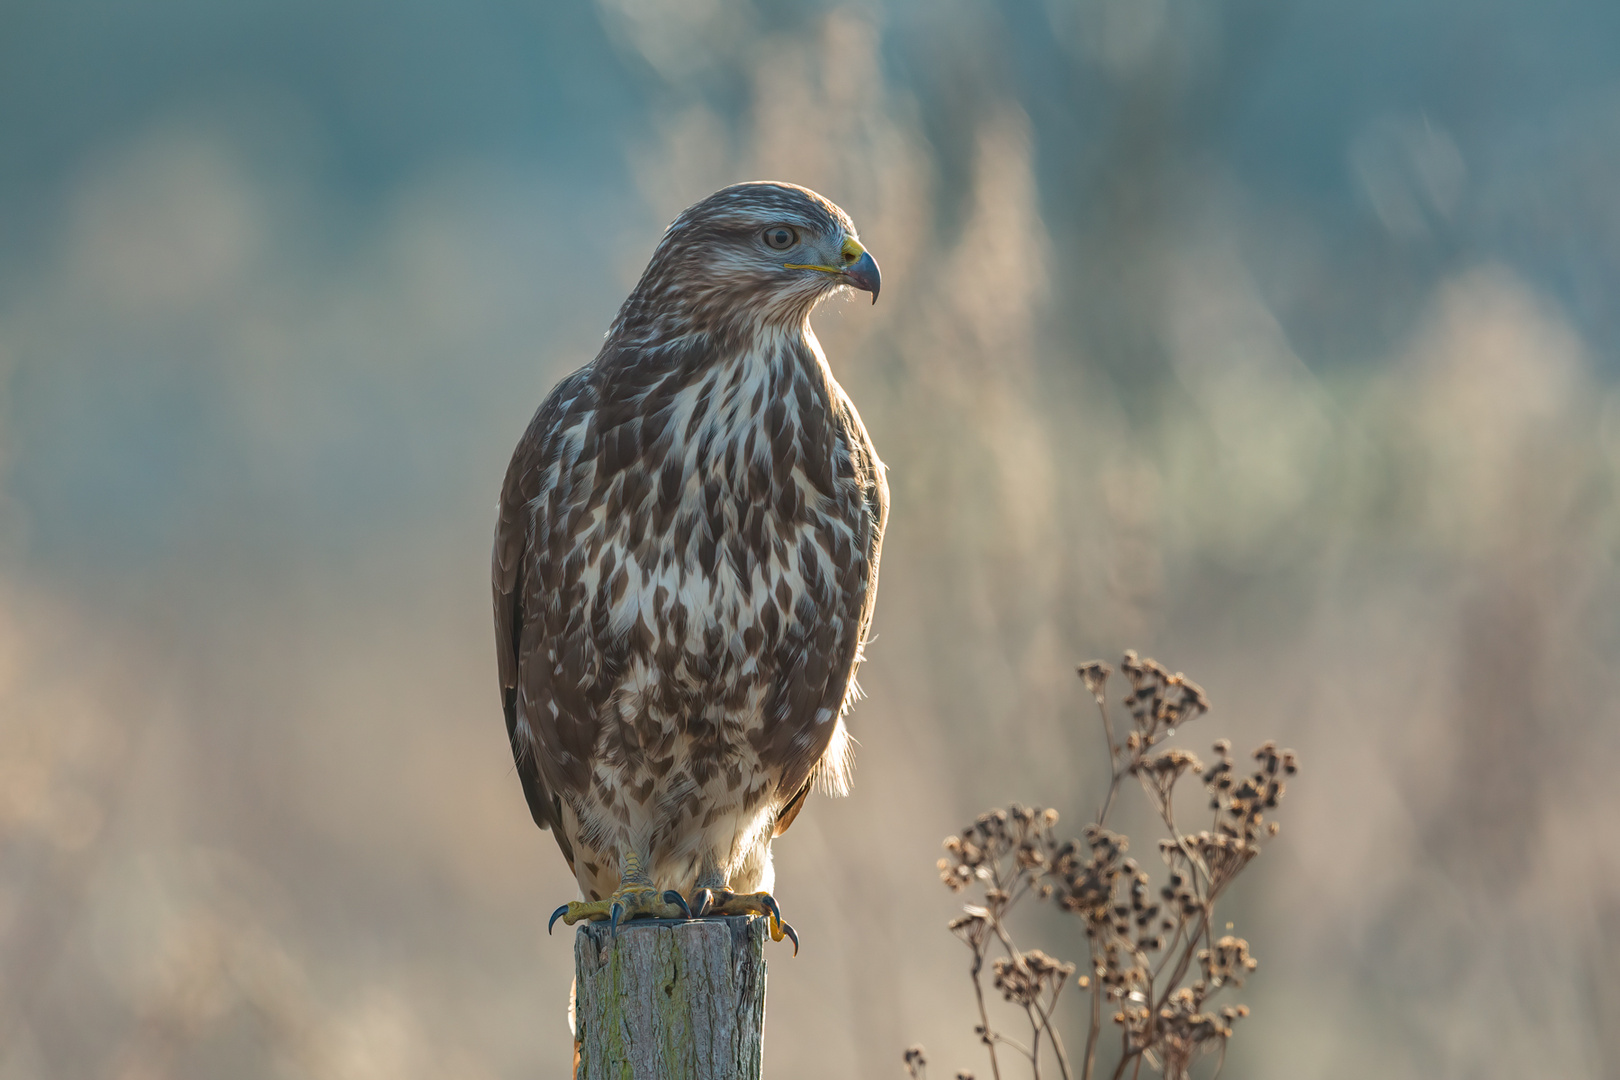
column 713, row 897
column 635, row 898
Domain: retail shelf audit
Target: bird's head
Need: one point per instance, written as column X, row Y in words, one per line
column 751, row 256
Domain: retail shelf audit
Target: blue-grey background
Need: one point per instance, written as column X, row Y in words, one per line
column 1275, row 338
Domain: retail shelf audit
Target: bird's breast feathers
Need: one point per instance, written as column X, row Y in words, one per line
column 714, row 531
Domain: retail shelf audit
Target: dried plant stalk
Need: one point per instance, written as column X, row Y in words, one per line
column 1153, row 961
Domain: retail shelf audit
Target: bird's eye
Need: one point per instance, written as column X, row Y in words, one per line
column 780, row 237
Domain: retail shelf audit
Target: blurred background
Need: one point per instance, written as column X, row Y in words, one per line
column 1274, row 338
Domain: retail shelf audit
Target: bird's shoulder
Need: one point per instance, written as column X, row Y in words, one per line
column 563, row 410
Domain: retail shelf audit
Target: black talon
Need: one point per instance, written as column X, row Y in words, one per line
column 555, row 915
column 673, row 897
column 613, row 920
column 788, row 930
column 770, row 905
column 701, row 898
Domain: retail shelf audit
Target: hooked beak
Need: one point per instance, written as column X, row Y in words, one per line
column 859, row 269
column 863, row 274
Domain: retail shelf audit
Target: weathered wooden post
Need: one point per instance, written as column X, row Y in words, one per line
column 671, row 999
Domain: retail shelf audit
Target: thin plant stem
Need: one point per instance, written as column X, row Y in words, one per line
column 1008, row 1040
column 1108, row 801
column 1096, row 1022
column 984, row 1014
column 1118, row 774
column 1126, row 1054
column 1126, row 1057
column 1052, row 1033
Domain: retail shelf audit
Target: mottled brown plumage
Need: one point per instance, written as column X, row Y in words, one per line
column 686, row 557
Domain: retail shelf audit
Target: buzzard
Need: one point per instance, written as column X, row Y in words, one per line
column 685, row 565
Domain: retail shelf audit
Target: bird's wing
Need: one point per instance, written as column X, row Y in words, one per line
column 523, row 523
column 821, row 678
column 875, row 491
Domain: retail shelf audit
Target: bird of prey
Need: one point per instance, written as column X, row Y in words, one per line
column 685, row 566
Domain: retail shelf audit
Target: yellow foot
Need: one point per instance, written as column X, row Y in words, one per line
column 633, row 900
column 725, row 902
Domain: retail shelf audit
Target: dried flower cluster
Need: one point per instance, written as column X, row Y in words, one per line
column 1153, row 960
column 1030, row 978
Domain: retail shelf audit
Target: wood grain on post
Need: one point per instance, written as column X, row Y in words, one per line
column 671, row 999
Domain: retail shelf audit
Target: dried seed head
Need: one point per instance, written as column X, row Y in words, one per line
column 1094, row 673
column 1030, row 977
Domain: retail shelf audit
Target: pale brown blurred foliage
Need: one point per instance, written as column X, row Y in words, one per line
column 257, row 815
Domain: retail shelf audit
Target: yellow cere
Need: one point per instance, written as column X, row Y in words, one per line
column 852, row 250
